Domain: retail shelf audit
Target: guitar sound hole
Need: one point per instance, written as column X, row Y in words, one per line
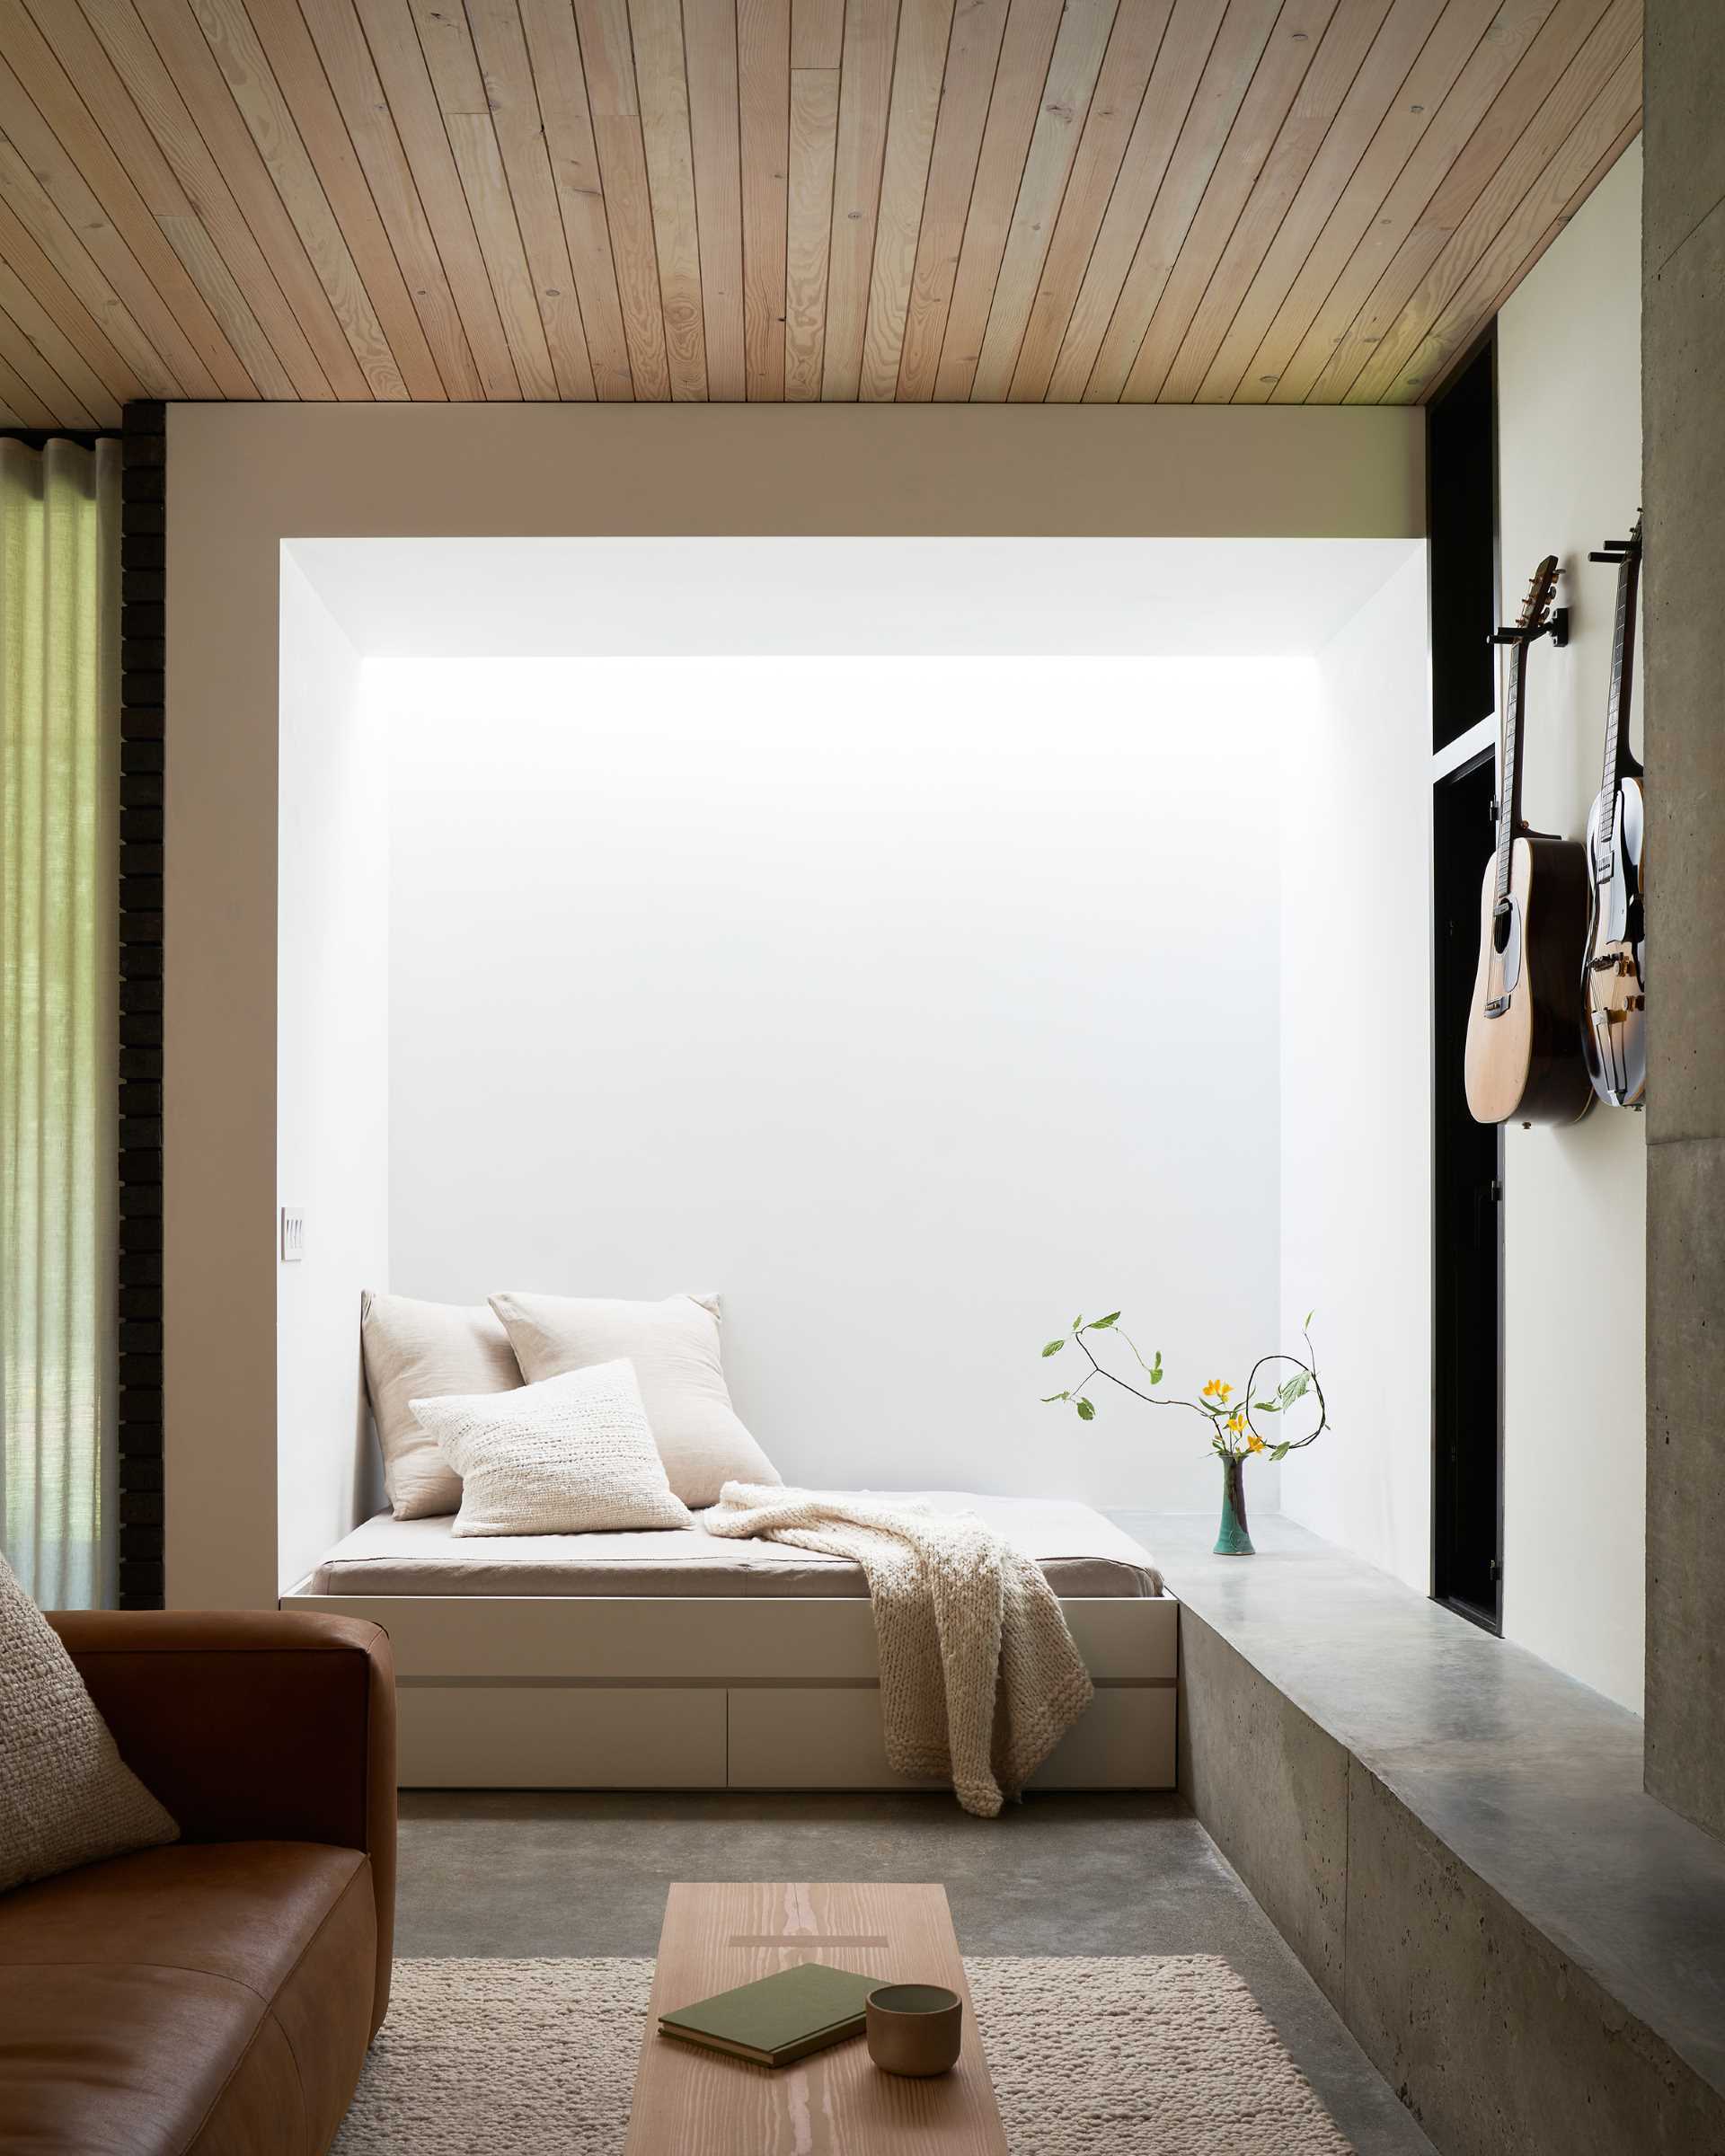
column 1500, row 930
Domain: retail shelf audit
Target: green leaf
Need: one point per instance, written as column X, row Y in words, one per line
column 1156, row 1369
column 1266, row 1407
column 1307, row 1326
column 1297, row 1387
column 1277, row 1451
column 1053, row 1347
column 1079, row 1322
column 1049, row 1397
column 1102, row 1324
column 1086, row 1412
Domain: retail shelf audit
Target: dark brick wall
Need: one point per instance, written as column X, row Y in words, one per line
column 143, row 661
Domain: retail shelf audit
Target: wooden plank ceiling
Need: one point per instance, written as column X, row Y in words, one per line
column 1255, row 201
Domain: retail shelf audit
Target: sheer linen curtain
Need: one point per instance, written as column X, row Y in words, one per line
column 59, row 726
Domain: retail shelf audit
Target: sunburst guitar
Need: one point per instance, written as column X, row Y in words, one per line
column 1614, row 972
column 1524, row 1063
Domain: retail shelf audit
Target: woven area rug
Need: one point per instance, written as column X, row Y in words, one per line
column 1128, row 2056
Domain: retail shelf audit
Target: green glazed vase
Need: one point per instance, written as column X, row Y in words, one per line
column 1233, row 1539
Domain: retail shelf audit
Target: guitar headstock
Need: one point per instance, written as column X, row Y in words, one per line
column 1536, row 607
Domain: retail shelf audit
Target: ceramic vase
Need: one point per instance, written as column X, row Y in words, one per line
column 1233, row 1539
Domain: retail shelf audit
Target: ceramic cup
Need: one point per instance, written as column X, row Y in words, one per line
column 914, row 2028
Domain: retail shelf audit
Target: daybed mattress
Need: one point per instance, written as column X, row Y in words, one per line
column 1083, row 1557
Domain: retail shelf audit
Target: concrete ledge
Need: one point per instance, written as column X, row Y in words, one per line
column 1454, row 1839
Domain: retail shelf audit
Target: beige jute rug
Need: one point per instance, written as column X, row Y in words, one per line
column 1128, row 2056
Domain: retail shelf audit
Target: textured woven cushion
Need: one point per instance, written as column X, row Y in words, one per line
column 414, row 1350
column 67, row 1797
column 674, row 1345
column 572, row 1455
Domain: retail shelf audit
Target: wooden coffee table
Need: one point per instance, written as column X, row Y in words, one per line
column 690, row 2102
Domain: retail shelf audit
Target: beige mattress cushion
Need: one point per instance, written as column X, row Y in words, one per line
column 1083, row 1557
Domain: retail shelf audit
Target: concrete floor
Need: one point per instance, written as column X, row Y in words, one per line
column 523, row 1873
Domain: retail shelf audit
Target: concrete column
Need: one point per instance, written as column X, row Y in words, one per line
column 1683, row 404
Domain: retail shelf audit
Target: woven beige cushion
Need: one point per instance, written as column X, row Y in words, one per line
column 674, row 1345
column 574, row 1456
column 417, row 1351
column 67, row 1797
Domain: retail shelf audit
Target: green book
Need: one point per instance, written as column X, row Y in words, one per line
column 781, row 2017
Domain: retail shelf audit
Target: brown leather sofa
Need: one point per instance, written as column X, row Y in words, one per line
column 215, row 1996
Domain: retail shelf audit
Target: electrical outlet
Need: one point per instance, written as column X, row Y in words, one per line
column 293, row 1235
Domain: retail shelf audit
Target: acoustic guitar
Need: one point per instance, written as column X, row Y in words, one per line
column 1614, row 975
column 1524, row 1063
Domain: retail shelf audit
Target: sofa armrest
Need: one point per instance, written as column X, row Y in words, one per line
column 254, row 1726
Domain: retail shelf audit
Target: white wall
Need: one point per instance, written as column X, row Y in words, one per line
column 913, row 1004
column 1575, row 1201
column 1356, row 1061
column 331, row 1054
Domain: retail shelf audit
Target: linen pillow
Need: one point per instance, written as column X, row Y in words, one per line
column 67, row 1797
column 674, row 1345
column 416, row 1350
column 572, row 1455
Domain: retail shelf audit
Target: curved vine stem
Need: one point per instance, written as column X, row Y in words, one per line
column 1217, row 1416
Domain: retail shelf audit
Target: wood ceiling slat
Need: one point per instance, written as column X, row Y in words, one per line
column 864, row 107
column 1340, row 194
column 763, row 96
column 99, row 203
column 554, row 57
column 1242, row 46
column 609, row 63
column 1357, row 68
column 371, row 48
column 48, row 255
column 1396, row 178
column 1476, row 186
column 279, row 84
column 1079, row 54
column 281, row 198
column 1026, row 55
column 1426, row 205
column 357, row 271
column 814, row 150
column 134, row 99
column 1531, row 225
column 1566, row 117
column 817, row 33
column 1314, row 55
column 44, row 336
column 45, row 383
column 497, row 65
column 1084, row 275
column 919, row 69
column 709, row 45
column 19, row 401
column 531, row 277
column 661, row 85
column 332, row 57
column 973, row 56
column 29, row 273
column 1139, row 30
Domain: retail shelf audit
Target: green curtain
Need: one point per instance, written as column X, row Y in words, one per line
column 59, row 724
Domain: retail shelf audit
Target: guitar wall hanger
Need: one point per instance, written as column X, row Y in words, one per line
column 1557, row 629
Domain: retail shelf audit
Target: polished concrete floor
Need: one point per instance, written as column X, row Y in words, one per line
column 519, row 1874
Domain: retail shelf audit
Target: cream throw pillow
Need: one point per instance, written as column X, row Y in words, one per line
column 415, row 1350
column 574, row 1455
column 67, row 1797
column 674, row 1345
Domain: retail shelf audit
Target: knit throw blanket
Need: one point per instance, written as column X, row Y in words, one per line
column 979, row 1678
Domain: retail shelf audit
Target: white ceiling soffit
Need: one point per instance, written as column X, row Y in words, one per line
column 534, row 598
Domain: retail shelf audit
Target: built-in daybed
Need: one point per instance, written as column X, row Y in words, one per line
column 679, row 1660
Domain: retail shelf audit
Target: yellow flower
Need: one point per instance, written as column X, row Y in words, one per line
column 1255, row 1442
column 1216, row 1389
column 1237, row 1424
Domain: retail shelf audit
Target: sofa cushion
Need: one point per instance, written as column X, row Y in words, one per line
column 674, row 1345
column 210, row 1998
column 66, row 1795
column 413, row 1349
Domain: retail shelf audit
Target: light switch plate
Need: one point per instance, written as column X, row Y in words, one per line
column 292, row 1234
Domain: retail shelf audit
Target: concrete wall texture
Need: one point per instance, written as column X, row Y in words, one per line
column 1683, row 332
